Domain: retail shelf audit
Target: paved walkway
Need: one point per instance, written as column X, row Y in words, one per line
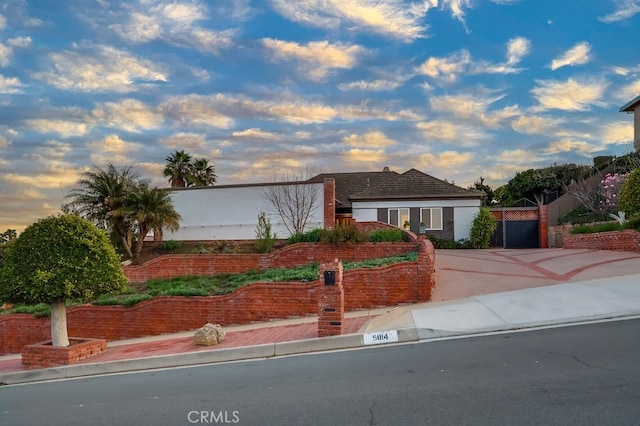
column 476, row 291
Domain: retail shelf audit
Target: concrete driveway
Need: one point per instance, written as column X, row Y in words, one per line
column 465, row 273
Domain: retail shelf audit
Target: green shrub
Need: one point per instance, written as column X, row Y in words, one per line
column 581, row 215
column 265, row 238
column 389, row 235
column 411, row 256
column 629, row 201
column 482, row 229
column 39, row 310
column 440, row 243
column 170, row 245
column 600, row 227
column 121, row 299
column 343, row 234
column 313, row 236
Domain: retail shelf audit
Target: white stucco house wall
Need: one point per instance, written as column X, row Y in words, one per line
column 230, row 212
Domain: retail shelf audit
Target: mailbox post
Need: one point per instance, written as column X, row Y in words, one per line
column 331, row 300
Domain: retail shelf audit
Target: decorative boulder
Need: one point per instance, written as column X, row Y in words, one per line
column 209, row 334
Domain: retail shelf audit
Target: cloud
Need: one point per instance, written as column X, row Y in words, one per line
column 317, row 58
column 517, row 48
column 102, row 69
column 196, row 109
column 374, row 139
column 112, row 149
column 9, row 85
column 64, row 128
column 570, row 95
column 624, row 9
column 3, row 22
column 130, row 115
column 254, row 133
column 22, row 42
column 446, row 69
column 579, row 147
column 460, row 134
column 6, row 50
column 392, row 18
column 372, row 85
column 616, row 133
column 172, row 23
column 474, row 106
column 366, row 156
column 577, row 55
column 535, row 125
column 189, row 142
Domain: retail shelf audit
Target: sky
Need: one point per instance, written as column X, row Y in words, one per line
column 458, row 89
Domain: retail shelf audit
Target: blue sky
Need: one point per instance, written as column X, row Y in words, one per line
column 455, row 88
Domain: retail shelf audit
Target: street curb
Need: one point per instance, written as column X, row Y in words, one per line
column 267, row 350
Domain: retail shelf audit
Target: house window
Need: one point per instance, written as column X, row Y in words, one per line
column 432, row 218
column 398, row 217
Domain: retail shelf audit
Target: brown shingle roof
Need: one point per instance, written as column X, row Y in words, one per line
column 387, row 185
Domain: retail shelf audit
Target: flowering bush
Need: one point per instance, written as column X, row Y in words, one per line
column 610, row 188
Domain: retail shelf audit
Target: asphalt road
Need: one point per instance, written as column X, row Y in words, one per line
column 581, row 375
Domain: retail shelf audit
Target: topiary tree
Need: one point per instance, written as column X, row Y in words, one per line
column 483, row 227
column 629, row 201
column 56, row 259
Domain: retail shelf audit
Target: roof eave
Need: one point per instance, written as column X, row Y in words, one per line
column 631, row 105
column 415, row 197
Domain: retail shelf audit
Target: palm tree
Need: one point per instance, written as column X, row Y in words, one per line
column 202, row 174
column 178, row 169
column 100, row 196
column 150, row 208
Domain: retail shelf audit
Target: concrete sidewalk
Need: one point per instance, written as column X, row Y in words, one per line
column 477, row 291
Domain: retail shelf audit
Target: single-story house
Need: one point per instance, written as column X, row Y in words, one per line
column 633, row 107
column 412, row 198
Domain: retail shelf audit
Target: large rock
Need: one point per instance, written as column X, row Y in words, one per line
column 209, row 334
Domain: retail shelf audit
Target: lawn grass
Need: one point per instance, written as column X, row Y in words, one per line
column 219, row 284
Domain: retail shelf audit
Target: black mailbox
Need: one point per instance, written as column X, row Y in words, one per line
column 329, row 277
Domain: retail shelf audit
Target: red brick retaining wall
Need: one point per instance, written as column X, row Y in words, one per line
column 43, row 355
column 626, row 240
column 176, row 265
column 407, row 282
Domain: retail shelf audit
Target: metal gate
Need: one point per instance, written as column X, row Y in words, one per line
column 518, row 227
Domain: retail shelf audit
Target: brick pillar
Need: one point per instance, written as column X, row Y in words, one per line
column 329, row 203
column 331, row 300
column 543, row 226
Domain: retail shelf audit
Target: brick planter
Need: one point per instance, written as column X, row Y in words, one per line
column 43, row 355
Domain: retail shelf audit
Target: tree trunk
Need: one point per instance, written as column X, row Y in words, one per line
column 59, row 336
column 127, row 247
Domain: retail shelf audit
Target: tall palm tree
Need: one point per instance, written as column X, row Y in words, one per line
column 202, row 174
column 178, row 169
column 100, row 196
column 150, row 208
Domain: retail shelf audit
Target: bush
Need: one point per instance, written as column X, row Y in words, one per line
column 313, row 236
column 630, row 195
column 581, row 215
column 121, row 299
column 170, row 245
column 389, row 235
column 600, row 227
column 440, row 243
column 265, row 238
column 343, row 234
column 482, row 229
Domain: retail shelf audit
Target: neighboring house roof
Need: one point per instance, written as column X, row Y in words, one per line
column 631, row 105
column 389, row 185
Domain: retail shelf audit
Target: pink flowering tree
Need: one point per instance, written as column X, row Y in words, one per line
column 610, row 188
